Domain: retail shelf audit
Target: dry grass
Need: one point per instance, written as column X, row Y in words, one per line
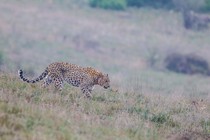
column 29, row 112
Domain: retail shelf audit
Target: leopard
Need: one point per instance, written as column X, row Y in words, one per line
column 59, row 72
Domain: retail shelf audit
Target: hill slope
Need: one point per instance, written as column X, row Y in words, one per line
column 30, row 112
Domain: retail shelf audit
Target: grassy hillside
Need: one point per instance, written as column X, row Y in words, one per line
column 29, row 112
column 148, row 102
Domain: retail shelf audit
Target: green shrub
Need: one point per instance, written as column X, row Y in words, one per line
column 136, row 3
column 1, row 57
column 194, row 5
column 163, row 118
column 160, row 118
column 151, row 3
column 109, row 4
column 207, row 5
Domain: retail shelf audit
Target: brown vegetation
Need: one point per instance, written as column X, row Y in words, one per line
column 195, row 21
column 187, row 64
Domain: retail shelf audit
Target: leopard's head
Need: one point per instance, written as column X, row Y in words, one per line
column 104, row 81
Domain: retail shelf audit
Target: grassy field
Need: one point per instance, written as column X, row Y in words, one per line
column 29, row 112
column 148, row 102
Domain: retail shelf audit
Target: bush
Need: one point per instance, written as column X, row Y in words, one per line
column 207, row 5
column 109, row 4
column 187, row 64
column 187, row 5
column 1, row 57
column 195, row 5
column 136, row 3
column 195, row 21
column 152, row 3
column 160, row 118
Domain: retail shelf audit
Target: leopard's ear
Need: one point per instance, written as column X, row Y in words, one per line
column 107, row 75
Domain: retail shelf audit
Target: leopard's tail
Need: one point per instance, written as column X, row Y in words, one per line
column 42, row 76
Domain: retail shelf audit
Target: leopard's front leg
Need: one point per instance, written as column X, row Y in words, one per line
column 58, row 82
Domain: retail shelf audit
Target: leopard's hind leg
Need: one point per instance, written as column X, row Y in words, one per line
column 47, row 81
